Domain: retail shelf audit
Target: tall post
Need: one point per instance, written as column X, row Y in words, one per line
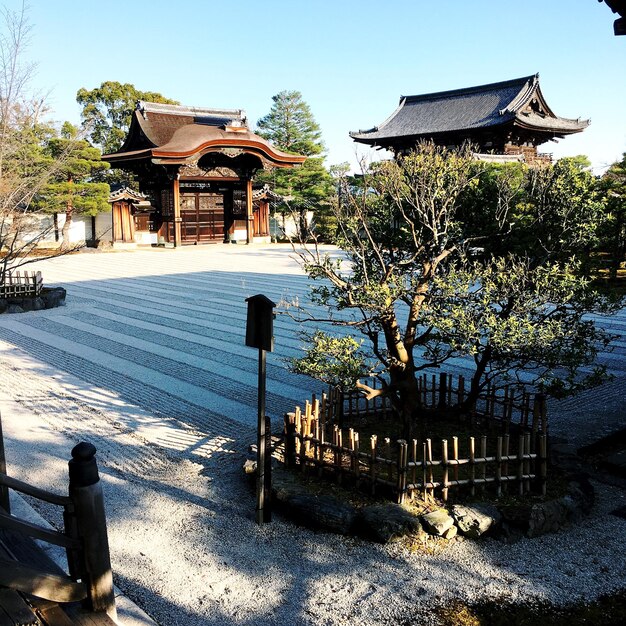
column 259, row 334
column 260, row 443
column 177, row 218
column 85, row 491
column 249, row 213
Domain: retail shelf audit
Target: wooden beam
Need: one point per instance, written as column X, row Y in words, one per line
column 38, row 532
column 14, row 610
column 30, row 490
column 26, row 579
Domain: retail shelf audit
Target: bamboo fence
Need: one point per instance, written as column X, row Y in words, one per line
column 513, row 461
column 500, row 408
column 21, row 285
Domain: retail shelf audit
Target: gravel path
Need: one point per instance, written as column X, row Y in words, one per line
column 147, row 362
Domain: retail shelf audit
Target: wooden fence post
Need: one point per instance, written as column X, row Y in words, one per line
column 403, row 456
column 543, row 462
column 520, row 464
column 290, row 440
column 267, row 484
column 444, row 465
column 373, row 456
column 472, row 452
column 4, row 491
column 85, row 491
column 499, row 466
column 443, row 389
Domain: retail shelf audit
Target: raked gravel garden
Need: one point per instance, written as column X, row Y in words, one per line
column 146, row 360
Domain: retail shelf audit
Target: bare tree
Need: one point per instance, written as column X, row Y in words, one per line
column 24, row 167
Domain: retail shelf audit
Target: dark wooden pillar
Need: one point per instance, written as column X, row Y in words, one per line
column 85, row 491
column 249, row 213
column 177, row 218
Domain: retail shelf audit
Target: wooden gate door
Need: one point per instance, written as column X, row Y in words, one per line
column 202, row 217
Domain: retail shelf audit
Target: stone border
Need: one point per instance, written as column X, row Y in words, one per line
column 387, row 522
column 49, row 298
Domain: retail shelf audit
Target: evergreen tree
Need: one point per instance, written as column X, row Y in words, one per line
column 613, row 236
column 290, row 126
column 72, row 189
column 107, row 111
column 106, row 115
column 26, row 167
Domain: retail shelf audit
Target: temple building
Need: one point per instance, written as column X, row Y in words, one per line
column 510, row 118
column 195, row 168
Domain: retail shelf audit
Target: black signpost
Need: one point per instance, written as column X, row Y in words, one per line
column 260, row 334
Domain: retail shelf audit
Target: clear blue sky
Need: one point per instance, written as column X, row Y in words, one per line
column 350, row 59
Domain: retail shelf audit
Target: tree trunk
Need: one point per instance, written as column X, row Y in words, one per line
column 69, row 209
column 303, row 226
column 404, row 389
column 479, row 372
column 65, row 231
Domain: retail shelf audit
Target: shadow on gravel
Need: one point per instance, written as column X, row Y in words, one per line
column 181, row 519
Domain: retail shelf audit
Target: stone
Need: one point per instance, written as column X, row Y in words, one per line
column 476, row 519
column 450, row 533
column 285, row 485
column 516, row 514
column 620, row 512
column 249, row 467
column 53, row 297
column 322, row 513
column 50, row 298
column 387, row 522
column 437, row 522
column 581, row 490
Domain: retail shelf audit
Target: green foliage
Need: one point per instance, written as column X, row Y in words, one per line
column 335, row 360
column 546, row 212
column 107, row 111
column 72, row 189
column 26, row 167
column 613, row 232
column 411, row 281
column 290, row 125
column 561, row 211
column 522, row 322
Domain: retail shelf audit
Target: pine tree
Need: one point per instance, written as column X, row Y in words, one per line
column 72, row 190
column 290, row 126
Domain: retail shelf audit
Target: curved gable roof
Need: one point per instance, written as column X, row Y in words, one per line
column 174, row 133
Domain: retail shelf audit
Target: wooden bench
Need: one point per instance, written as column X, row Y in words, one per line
column 29, row 580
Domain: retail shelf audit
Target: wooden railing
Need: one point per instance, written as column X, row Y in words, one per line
column 85, row 539
column 21, row 285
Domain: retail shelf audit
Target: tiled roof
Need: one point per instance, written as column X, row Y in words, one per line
column 159, row 122
column 125, row 193
column 468, row 109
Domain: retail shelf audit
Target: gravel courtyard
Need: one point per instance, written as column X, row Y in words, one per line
column 147, row 361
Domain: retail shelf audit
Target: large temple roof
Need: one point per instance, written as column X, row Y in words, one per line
column 166, row 133
column 517, row 102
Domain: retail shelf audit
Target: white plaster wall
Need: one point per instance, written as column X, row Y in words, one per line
column 104, row 228
column 284, row 225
